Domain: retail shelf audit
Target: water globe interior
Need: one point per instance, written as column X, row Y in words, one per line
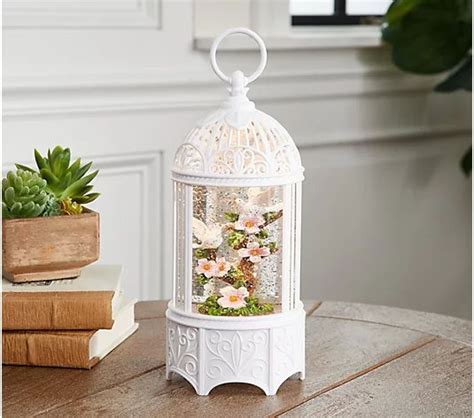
column 237, row 254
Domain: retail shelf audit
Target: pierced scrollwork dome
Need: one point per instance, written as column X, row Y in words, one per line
column 243, row 143
column 238, row 143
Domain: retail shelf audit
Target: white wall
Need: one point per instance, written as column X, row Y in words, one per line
column 386, row 209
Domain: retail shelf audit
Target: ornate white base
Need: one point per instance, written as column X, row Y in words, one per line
column 209, row 351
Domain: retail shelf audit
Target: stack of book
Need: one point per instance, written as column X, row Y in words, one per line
column 66, row 323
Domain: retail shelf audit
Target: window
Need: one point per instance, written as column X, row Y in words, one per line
column 337, row 12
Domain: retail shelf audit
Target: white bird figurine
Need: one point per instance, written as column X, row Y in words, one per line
column 258, row 201
column 209, row 237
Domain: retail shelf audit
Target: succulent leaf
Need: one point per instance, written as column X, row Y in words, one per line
column 48, row 175
column 70, row 207
column 87, row 198
column 75, row 189
column 24, row 195
column 24, row 168
column 52, row 208
column 39, row 160
column 9, row 195
column 74, row 168
column 83, row 170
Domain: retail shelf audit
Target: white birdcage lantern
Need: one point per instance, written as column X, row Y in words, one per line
column 236, row 314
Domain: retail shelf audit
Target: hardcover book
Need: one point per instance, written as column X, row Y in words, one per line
column 88, row 302
column 75, row 349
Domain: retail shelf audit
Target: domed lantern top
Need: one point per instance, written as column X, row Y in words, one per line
column 238, row 145
column 236, row 314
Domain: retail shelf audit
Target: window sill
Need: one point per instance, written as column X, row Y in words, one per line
column 320, row 37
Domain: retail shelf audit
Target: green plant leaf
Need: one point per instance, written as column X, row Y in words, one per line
column 75, row 166
column 24, row 168
column 65, row 181
column 397, row 11
column 50, row 178
column 16, row 208
column 87, row 198
column 18, row 182
column 63, row 161
column 5, row 211
column 459, row 79
column 86, row 189
column 427, row 36
column 263, row 234
column 83, row 170
column 39, row 160
column 236, row 238
column 76, row 187
column 9, row 196
column 57, row 160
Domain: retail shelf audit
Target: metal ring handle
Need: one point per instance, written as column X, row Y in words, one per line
column 254, row 36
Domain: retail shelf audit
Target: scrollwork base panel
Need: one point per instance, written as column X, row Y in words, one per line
column 263, row 356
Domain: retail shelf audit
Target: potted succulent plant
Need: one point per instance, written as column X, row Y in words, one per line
column 47, row 232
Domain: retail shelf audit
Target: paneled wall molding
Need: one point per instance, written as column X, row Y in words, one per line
column 77, row 14
column 95, row 93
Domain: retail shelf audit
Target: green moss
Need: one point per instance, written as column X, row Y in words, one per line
column 211, row 307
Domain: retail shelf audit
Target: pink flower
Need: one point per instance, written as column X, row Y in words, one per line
column 249, row 223
column 232, row 297
column 206, row 267
column 222, row 267
column 254, row 251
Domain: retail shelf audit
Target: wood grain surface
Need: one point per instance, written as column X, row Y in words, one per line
column 49, row 248
column 361, row 360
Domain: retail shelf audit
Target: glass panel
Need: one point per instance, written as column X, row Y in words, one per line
column 367, row 7
column 311, row 7
column 294, row 238
column 237, row 250
column 179, row 285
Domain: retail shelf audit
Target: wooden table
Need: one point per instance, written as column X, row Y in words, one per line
column 360, row 360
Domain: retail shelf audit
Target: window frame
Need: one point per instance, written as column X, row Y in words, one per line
column 338, row 18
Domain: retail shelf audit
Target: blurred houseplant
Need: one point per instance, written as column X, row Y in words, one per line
column 41, row 241
column 430, row 37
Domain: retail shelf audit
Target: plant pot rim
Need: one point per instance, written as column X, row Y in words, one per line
column 86, row 213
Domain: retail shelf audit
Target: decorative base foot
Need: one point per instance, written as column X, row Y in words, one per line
column 210, row 351
column 38, row 276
